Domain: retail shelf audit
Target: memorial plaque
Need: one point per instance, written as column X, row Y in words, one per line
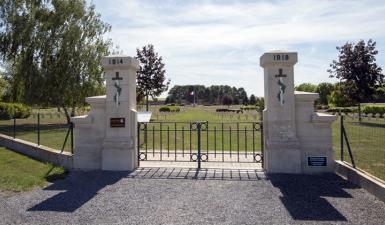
column 316, row 161
column 117, row 122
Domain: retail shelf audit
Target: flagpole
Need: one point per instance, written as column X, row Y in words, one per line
column 194, row 95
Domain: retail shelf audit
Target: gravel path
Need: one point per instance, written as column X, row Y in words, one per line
column 182, row 196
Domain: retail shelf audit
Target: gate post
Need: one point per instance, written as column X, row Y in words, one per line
column 282, row 151
column 199, row 144
column 120, row 142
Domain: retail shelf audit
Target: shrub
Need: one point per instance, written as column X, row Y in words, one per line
column 10, row 110
column 229, row 110
column 343, row 110
column 246, row 108
column 374, row 109
column 169, row 109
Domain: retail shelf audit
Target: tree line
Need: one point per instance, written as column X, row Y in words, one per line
column 213, row 95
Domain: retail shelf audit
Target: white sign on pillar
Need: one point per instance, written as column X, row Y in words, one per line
column 119, row 145
column 281, row 143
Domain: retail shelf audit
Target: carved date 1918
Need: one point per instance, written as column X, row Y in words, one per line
column 280, row 57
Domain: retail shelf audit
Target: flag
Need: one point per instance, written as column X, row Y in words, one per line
column 192, row 93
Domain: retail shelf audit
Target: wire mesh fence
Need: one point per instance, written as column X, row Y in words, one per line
column 47, row 129
column 361, row 143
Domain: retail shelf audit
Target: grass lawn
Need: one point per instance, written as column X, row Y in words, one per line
column 53, row 130
column 367, row 142
column 21, row 173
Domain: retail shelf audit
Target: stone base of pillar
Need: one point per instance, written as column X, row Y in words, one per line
column 119, row 155
column 283, row 160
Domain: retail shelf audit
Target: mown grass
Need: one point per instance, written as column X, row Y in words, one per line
column 21, row 173
column 367, row 142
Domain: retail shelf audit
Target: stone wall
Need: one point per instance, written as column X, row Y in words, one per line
column 38, row 152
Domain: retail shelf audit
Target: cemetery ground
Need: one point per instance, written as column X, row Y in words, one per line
column 365, row 138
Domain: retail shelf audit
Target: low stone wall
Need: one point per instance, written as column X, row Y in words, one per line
column 41, row 153
column 362, row 179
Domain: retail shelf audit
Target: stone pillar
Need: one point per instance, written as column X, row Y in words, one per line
column 120, row 141
column 282, row 150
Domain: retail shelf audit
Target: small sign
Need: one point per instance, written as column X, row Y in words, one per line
column 117, row 122
column 316, row 161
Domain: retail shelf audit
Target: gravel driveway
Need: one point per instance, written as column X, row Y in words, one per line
column 183, row 196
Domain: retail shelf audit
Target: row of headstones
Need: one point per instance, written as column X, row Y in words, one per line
column 363, row 115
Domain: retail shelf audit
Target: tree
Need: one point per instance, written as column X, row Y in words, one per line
column 54, row 48
column 307, row 87
column 324, row 89
column 151, row 80
column 227, row 100
column 260, row 104
column 339, row 97
column 253, row 100
column 356, row 67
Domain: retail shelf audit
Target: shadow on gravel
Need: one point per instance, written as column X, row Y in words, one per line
column 195, row 174
column 303, row 195
column 78, row 188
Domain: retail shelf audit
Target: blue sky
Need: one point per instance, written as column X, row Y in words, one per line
column 220, row 42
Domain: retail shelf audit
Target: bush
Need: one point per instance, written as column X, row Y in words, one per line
column 246, row 108
column 169, row 109
column 229, row 110
column 374, row 109
column 10, row 110
column 343, row 110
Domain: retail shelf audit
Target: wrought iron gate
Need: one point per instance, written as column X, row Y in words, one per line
column 200, row 142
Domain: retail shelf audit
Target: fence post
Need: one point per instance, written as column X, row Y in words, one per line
column 14, row 127
column 199, row 144
column 38, row 128
column 342, row 137
column 72, row 137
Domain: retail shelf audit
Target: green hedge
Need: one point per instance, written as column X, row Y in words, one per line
column 10, row 110
column 343, row 110
column 374, row 110
column 246, row 108
column 169, row 109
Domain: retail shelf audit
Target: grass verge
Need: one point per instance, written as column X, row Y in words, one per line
column 21, row 173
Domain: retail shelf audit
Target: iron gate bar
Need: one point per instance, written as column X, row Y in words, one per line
column 211, row 145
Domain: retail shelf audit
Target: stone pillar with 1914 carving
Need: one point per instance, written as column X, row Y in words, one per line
column 120, row 141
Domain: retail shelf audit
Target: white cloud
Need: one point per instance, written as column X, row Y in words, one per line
column 220, row 43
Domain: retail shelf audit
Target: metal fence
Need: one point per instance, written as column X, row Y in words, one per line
column 361, row 143
column 47, row 129
column 240, row 142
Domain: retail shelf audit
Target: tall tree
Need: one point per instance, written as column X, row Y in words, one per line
column 324, row 90
column 55, row 48
column 151, row 80
column 227, row 100
column 253, row 100
column 307, row 87
column 356, row 67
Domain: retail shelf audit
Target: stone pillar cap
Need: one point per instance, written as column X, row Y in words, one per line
column 278, row 58
column 302, row 96
column 120, row 62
